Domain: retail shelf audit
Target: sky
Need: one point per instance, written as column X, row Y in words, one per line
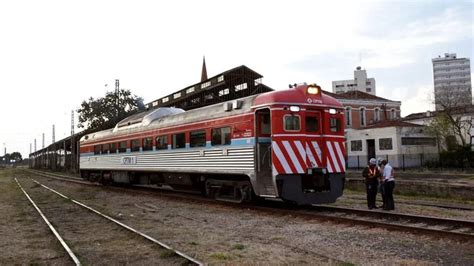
column 55, row 54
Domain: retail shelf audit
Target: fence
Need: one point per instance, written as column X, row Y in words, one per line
column 402, row 161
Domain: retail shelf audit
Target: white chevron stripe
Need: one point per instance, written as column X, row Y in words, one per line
column 311, row 156
column 333, row 156
column 281, row 157
column 340, row 154
column 293, row 157
column 301, row 150
column 318, row 150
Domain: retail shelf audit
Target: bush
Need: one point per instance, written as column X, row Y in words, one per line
column 462, row 157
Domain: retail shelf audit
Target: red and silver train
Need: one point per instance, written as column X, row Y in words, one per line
column 286, row 144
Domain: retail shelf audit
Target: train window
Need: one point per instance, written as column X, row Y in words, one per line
column 179, row 141
column 292, row 123
column 122, row 146
column 97, row 149
column 220, row 136
column 197, row 138
column 335, row 124
column 148, row 144
column 312, row 124
column 135, row 145
column 113, row 147
column 265, row 124
column 162, row 142
column 105, row 148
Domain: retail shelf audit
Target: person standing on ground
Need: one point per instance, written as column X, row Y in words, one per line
column 388, row 185
column 371, row 174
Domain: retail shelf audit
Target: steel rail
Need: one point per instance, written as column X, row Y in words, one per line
column 180, row 253
column 419, row 203
column 328, row 217
column 51, row 227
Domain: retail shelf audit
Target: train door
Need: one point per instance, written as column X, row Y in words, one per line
column 263, row 143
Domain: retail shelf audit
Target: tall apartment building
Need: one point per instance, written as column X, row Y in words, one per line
column 452, row 81
column 360, row 83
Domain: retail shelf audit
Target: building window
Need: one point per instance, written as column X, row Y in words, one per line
column 122, row 146
column 223, row 92
column 385, row 144
column 348, row 116
column 220, row 136
column 291, row 123
column 240, row 87
column 176, row 95
column 368, row 89
column 312, row 123
column 377, row 114
column 161, row 142
column 190, row 90
column 165, row 100
column 220, row 78
column 205, row 85
column 179, row 141
column 356, row 145
column 362, row 116
column 419, row 141
column 334, row 124
column 197, row 138
column 148, row 144
column 393, row 114
column 135, row 145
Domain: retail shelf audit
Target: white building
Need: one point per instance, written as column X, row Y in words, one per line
column 360, row 83
column 402, row 144
column 452, row 81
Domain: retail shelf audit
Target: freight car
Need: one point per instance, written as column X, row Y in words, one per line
column 286, row 144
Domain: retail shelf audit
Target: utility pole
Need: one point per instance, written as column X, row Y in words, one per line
column 35, row 145
column 30, row 148
column 117, row 95
column 53, row 135
column 73, row 146
column 43, row 142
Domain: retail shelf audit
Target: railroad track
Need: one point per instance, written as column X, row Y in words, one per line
column 168, row 258
column 428, row 225
column 421, row 203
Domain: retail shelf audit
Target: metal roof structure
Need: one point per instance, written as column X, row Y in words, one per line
column 232, row 84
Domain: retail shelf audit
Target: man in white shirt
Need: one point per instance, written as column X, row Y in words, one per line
column 389, row 185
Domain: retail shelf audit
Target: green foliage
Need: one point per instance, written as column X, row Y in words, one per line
column 105, row 112
column 11, row 156
column 220, row 256
column 238, row 247
column 462, row 157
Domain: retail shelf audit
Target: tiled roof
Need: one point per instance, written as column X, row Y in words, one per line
column 459, row 110
column 356, row 95
column 391, row 123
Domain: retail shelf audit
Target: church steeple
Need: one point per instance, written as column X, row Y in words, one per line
column 204, row 70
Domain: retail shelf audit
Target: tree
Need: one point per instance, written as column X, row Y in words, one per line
column 16, row 156
column 11, row 156
column 105, row 112
column 451, row 123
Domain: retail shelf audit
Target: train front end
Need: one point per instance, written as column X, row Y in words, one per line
column 306, row 143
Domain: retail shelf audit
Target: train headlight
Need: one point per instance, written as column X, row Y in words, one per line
column 332, row 111
column 313, row 89
column 294, row 108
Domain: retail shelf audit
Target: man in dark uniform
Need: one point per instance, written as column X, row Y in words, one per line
column 371, row 174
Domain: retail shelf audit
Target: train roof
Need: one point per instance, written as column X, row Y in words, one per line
column 170, row 116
